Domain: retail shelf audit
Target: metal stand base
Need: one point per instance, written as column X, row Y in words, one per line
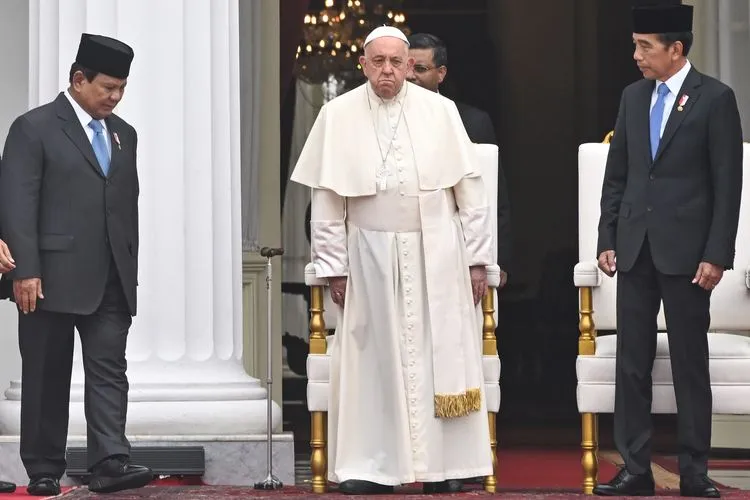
column 269, row 483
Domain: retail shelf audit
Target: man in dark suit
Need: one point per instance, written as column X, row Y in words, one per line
column 669, row 214
column 429, row 70
column 69, row 210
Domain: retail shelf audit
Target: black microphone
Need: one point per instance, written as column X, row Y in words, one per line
column 271, row 252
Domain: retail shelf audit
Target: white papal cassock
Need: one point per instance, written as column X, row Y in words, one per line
column 405, row 232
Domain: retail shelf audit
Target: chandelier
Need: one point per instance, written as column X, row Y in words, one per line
column 333, row 37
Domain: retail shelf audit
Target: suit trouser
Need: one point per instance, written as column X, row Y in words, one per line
column 46, row 343
column 686, row 309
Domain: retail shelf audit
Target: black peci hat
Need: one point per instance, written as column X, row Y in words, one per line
column 105, row 55
column 666, row 16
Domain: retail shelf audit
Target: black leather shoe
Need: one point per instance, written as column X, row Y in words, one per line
column 698, row 486
column 359, row 487
column 117, row 474
column 627, row 484
column 6, row 487
column 449, row 486
column 43, row 486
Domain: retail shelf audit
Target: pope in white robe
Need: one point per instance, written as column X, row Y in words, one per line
column 400, row 227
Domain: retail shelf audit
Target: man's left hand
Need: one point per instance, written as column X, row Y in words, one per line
column 503, row 278
column 478, row 282
column 708, row 275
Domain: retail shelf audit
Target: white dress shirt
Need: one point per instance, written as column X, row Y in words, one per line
column 85, row 119
column 674, row 84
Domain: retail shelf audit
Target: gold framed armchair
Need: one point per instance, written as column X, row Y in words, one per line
column 729, row 351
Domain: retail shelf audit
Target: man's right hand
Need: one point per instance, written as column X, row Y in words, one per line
column 337, row 285
column 607, row 262
column 7, row 263
column 26, row 292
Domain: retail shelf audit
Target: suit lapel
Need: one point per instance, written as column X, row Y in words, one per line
column 115, row 146
column 73, row 129
column 690, row 88
column 642, row 122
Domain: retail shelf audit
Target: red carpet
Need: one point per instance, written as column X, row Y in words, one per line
column 545, row 469
column 532, row 474
column 21, row 493
column 299, row 493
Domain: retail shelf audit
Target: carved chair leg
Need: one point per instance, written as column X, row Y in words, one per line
column 489, row 348
column 319, row 458
column 590, row 448
column 589, row 421
column 490, row 482
column 318, row 442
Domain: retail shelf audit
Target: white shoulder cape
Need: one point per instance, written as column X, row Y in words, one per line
column 341, row 153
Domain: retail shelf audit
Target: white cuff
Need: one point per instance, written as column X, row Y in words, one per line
column 477, row 235
column 328, row 248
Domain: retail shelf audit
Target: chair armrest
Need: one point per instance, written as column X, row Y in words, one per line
column 493, row 275
column 587, row 274
column 311, row 279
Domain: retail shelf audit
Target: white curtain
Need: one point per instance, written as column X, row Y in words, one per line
column 722, row 47
column 250, row 62
column 308, row 101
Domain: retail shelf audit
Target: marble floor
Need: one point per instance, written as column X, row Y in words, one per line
column 739, row 479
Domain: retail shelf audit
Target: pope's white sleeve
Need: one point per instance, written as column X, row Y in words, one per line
column 474, row 211
column 328, row 234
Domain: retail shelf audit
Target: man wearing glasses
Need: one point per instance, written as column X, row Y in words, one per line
column 430, row 68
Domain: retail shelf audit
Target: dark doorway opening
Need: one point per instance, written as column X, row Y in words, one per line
column 550, row 75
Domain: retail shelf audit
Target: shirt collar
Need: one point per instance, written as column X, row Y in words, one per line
column 674, row 83
column 81, row 113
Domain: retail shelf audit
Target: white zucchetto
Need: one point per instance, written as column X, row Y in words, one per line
column 382, row 31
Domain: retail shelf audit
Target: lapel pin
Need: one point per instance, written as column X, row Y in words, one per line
column 681, row 104
column 117, row 139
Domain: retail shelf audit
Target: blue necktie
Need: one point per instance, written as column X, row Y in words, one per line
column 100, row 145
column 657, row 115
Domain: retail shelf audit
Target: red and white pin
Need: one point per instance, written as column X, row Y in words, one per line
column 681, row 103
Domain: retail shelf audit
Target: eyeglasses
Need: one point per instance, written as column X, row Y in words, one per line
column 418, row 68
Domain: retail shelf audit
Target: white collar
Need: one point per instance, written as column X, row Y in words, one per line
column 81, row 113
column 675, row 82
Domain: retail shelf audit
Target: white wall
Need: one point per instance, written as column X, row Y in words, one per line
column 14, row 98
column 722, row 47
column 14, row 62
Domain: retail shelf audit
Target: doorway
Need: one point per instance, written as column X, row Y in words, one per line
column 550, row 75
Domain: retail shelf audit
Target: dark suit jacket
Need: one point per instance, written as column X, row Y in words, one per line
column 478, row 125
column 687, row 200
column 61, row 217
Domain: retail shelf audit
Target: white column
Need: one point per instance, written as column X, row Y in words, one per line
column 183, row 97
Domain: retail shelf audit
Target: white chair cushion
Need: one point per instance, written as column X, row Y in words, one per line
column 587, row 274
column 729, row 364
column 319, row 374
column 491, row 372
